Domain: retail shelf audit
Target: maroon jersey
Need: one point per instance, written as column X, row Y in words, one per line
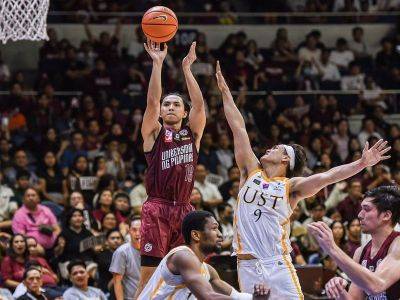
column 393, row 292
column 171, row 165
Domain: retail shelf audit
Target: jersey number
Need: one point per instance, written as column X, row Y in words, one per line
column 189, row 173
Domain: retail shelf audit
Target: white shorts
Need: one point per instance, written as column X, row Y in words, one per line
column 276, row 273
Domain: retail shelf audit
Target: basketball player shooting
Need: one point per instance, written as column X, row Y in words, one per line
column 269, row 190
column 375, row 267
column 183, row 274
column 171, row 151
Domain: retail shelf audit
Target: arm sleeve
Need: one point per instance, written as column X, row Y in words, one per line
column 118, row 262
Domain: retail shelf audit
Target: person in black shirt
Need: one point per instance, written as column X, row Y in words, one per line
column 33, row 282
column 114, row 239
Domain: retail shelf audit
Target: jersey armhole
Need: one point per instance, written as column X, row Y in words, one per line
column 251, row 173
column 155, row 141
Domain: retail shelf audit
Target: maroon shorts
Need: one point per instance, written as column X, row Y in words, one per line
column 161, row 226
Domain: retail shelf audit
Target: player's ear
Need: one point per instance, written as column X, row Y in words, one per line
column 195, row 235
column 285, row 159
column 387, row 215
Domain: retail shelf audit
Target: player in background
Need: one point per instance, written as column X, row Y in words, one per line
column 269, row 190
column 183, row 274
column 375, row 267
column 171, row 151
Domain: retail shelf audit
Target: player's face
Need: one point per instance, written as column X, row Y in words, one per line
column 210, row 237
column 172, row 110
column 369, row 216
column 273, row 155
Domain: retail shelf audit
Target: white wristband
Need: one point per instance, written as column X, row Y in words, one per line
column 240, row 296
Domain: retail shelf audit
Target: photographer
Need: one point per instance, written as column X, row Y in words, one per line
column 36, row 220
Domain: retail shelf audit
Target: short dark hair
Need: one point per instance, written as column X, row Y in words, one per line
column 32, row 268
column 195, row 220
column 112, row 231
column 75, row 263
column 386, row 198
column 300, row 160
column 221, row 207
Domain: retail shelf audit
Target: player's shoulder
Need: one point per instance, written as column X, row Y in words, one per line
column 394, row 247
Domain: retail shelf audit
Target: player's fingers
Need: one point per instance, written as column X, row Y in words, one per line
column 382, row 145
column 385, row 157
column 366, row 146
column 218, row 67
column 384, row 150
column 165, row 47
column 146, row 47
column 377, row 144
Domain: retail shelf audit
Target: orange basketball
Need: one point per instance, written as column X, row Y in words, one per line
column 159, row 24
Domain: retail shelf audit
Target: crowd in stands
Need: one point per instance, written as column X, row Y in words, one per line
column 72, row 168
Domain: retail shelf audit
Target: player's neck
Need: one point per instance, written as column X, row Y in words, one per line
column 273, row 170
column 379, row 237
column 174, row 127
column 200, row 255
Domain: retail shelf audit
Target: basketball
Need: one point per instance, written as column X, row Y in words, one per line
column 159, row 24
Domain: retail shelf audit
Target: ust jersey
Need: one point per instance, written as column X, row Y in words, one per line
column 261, row 220
column 166, row 285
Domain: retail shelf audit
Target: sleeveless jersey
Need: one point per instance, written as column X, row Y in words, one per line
column 166, row 285
column 372, row 263
column 171, row 165
column 261, row 221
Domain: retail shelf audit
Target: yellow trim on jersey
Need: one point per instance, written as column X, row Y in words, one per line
column 176, row 289
column 157, row 288
column 294, row 277
column 288, row 264
column 253, row 172
column 239, row 250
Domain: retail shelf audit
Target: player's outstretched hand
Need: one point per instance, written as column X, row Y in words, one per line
column 371, row 156
column 335, row 287
column 155, row 52
column 191, row 57
column 223, row 87
column 260, row 292
column 323, row 234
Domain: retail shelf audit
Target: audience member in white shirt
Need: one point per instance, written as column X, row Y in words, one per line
column 327, row 71
column 357, row 44
column 353, row 81
column 342, row 56
column 310, row 50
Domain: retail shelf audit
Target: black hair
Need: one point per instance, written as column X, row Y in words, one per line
column 316, row 204
column 112, row 231
column 75, row 263
column 23, row 174
column 358, row 28
column 195, row 220
column 300, row 160
column 186, row 103
column 69, row 215
column 98, row 204
column 386, row 198
column 221, row 207
column 343, row 238
column 10, row 250
column 31, row 268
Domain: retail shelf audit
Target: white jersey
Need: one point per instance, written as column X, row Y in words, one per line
column 261, row 221
column 166, row 285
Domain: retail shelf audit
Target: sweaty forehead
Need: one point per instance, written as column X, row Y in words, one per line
column 368, row 202
column 173, row 98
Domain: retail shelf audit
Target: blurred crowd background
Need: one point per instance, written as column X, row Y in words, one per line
column 83, row 154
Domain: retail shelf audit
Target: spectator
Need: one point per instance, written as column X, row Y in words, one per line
column 108, row 222
column 386, row 58
column 71, row 152
column 342, row 56
column 71, row 240
column 225, row 156
column 310, row 50
column 103, row 259
column 328, row 72
column 339, row 234
column 351, row 205
column 211, row 196
column 138, row 194
column 358, row 45
column 125, row 264
column 7, row 205
column 104, row 205
column 353, row 236
column 225, row 215
column 367, row 131
column 233, row 192
column 33, row 282
column 207, row 154
column 34, row 219
column 196, row 199
column 355, row 80
column 122, row 206
column 21, row 163
column 80, row 289
column 233, row 175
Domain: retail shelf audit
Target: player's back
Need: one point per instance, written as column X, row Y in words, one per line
column 171, row 165
column 261, row 221
column 372, row 263
column 166, row 285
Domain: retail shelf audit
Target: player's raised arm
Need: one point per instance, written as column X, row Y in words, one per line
column 370, row 282
column 244, row 155
column 303, row 187
column 197, row 116
column 151, row 126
